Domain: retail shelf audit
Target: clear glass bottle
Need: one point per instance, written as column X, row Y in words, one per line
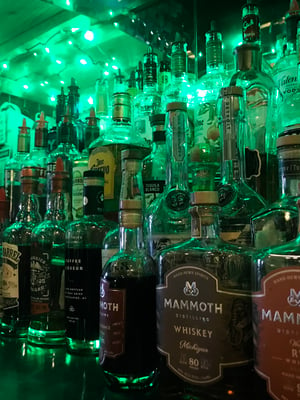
column 4, row 223
column 238, row 201
column 128, row 354
column 105, row 152
column 278, row 222
column 275, row 297
column 154, row 165
column 83, row 268
column 251, row 23
column 204, row 312
column 80, row 164
column 16, row 258
column 260, row 133
column 47, row 263
column 102, row 104
column 167, row 220
column 12, row 171
column 164, row 75
column 148, row 102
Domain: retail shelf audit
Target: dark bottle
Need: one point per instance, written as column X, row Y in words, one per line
column 128, row 354
column 4, row 223
column 47, row 261
column 84, row 267
column 203, row 305
column 16, row 258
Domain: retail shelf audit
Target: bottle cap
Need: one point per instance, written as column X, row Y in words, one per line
column 132, row 154
column 204, row 197
column 231, row 91
column 176, row 105
column 130, row 218
column 30, row 172
column 93, row 177
column 131, row 204
column 293, row 138
column 159, row 136
column 247, row 55
column 157, row 119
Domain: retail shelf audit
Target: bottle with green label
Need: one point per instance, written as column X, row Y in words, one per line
column 167, row 220
column 203, row 302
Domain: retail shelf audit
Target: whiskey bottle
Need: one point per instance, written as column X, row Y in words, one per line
column 203, row 302
column 278, row 222
column 16, row 258
column 167, row 220
column 128, row 354
column 154, row 165
column 83, row 268
column 4, row 223
column 238, row 201
column 47, row 262
column 275, row 297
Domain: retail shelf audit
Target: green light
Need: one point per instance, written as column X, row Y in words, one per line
column 58, row 61
column 42, row 84
column 83, row 61
column 70, row 42
column 273, row 50
column 62, row 82
column 68, row 3
column 5, row 66
column 106, row 73
column 47, row 50
column 89, row 35
column 200, row 54
column 52, row 98
column 46, row 82
column 110, row 13
column 26, row 87
column 35, row 54
column 116, row 24
column 74, row 29
column 114, row 67
column 90, row 100
column 106, row 64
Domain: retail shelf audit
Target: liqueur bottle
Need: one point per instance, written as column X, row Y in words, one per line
column 167, row 220
column 80, row 164
column 47, row 262
column 275, row 297
column 38, row 158
column 4, row 223
column 154, row 165
column 12, row 171
column 128, row 354
column 16, row 258
column 84, row 267
column 278, row 223
column 148, row 102
column 105, row 152
column 238, row 201
column 203, row 301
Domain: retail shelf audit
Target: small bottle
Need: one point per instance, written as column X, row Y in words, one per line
column 164, row 75
column 278, row 222
column 4, row 223
column 12, row 171
column 80, row 164
column 84, row 267
column 148, row 102
column 47, row 262
column 154, row 165
column 128, row 354
column 167, row 220
column 38, row 158
column 237, row 200
column 16, row 258
column 251, row 23
column 275, row 297
column 204, row 312
column 102, row 104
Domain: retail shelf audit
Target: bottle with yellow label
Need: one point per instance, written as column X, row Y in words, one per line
column 105, row 152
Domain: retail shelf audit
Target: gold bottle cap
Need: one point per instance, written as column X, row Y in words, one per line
column 288, row 140
column 204, row 197
column 131, row 204
column 130, row 219
column 176, row 105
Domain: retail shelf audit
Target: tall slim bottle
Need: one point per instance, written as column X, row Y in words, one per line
column 4, row 223
column 47, row 263
column 83, row 268
column 128, row 354
column 16, row 258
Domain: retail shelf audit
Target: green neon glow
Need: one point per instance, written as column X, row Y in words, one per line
column 83, row 61
column 89, row 35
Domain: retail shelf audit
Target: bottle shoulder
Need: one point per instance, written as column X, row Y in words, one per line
column 130, row 264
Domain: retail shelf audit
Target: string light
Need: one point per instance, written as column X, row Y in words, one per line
column 89, row 35
column 83, row 61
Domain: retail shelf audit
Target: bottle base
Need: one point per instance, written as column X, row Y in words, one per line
column 122, row 383
column 13, row 328
column 88, row 347
column 41, row 337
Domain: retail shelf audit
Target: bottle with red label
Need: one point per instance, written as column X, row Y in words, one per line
column 276, row 321
column 203, row 302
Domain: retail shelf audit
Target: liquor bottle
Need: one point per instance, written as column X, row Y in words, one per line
column 80, row 164
column 102, row 104
column 154, row 165
column 148, row 102
column 12, row 171
column 128, row 354
column 167, row 220
column 278, row 222
column 16, row 258
column 275, row 296
column 203, row 301
column 105, row 152
column 238, row 201
column 164, row 75
column 47, row 262
column 67, row 151
column 207, row 89
column 73, row 102
column 4, row 223
column 285, row 69
column 260, row 135
column 61, row 106
column 38, row 158
column 83, row 268
column 251, row 23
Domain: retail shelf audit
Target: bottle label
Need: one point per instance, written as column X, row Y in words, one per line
column 276, row 321
column 289, row 167
column 250, row 28
column 107, row 254
column 202, row 329
column 287, row 81
column 177, row 200
column 103, row 159
column 82, row 280
column 152, row 189
column 39, row 279
column 112, row 321
column 77, row 191
column 164, row 80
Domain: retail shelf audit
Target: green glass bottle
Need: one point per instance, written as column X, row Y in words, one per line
column 47, row 262
column 16, row 258
column 203, row 301
column 84, row 267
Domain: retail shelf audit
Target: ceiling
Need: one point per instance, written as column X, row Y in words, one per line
column 42, row 44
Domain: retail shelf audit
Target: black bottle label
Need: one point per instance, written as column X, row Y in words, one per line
column 39, row 279
column 152, row 188
column 201, row 328
column 82, row 281
column 177, row 200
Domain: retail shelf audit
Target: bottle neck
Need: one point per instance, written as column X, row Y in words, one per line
column 131, row 238
column 159, row 147
column 205, row 222
column 28, row 208
column 289, row 185
column 58, row 207
column 93, row 204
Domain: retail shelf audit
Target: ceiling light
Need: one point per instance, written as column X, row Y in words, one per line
column 83, row 61
column 89, row 35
